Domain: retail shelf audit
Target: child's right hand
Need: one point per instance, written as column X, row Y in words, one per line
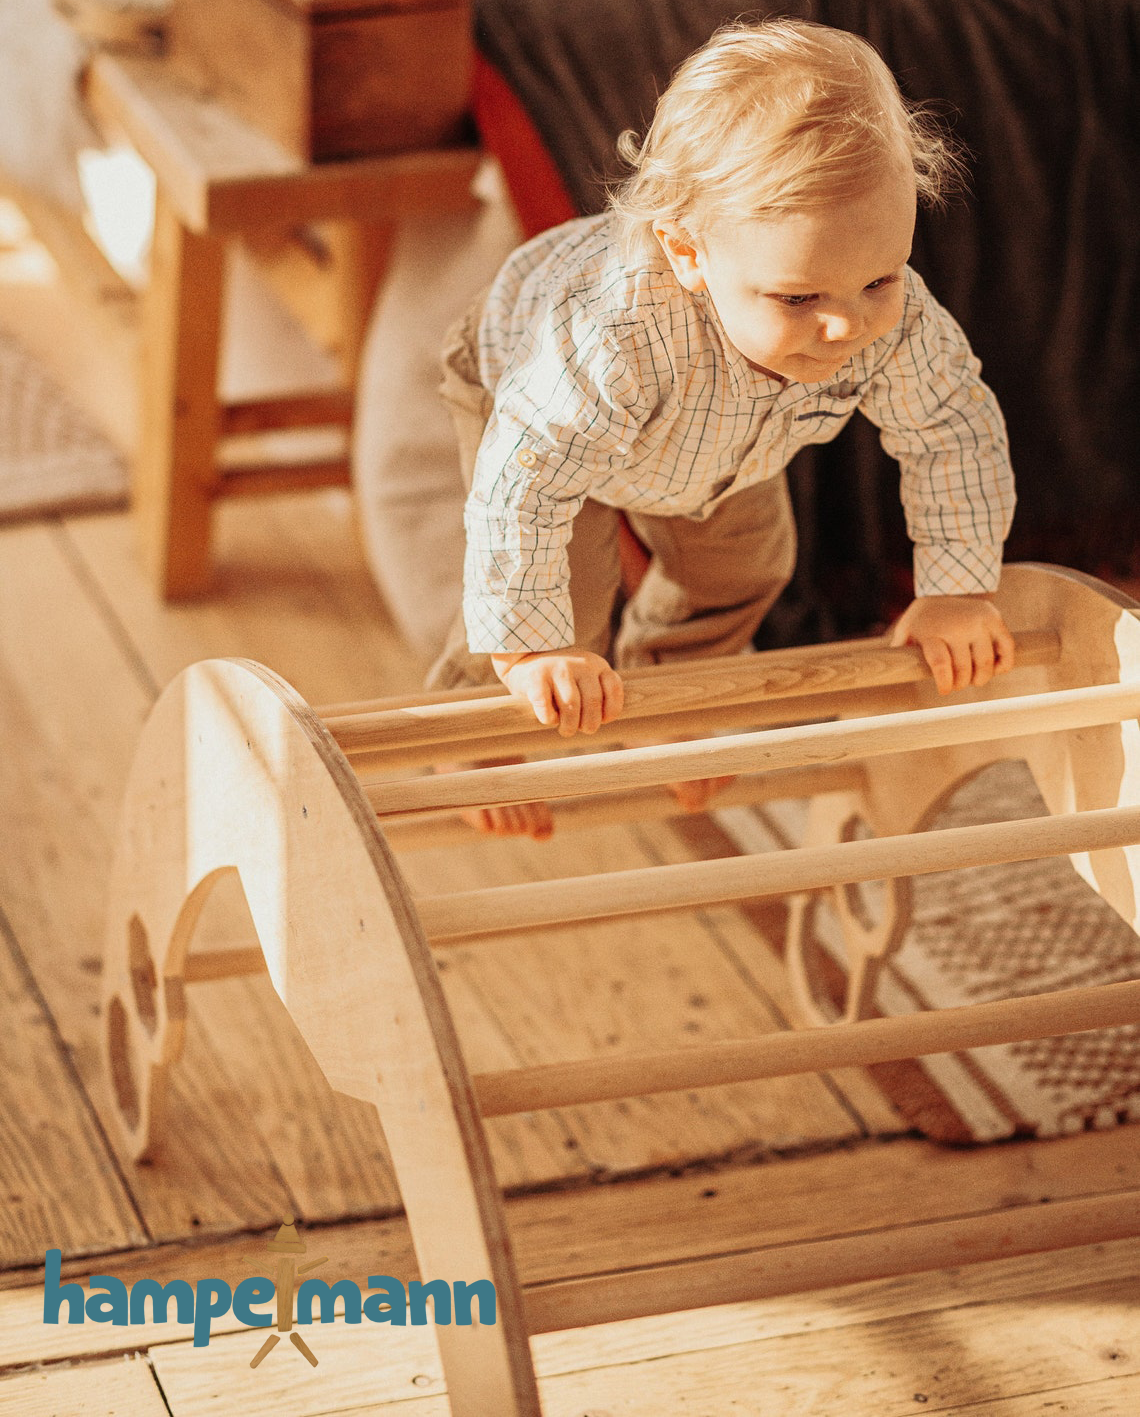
column 573, row 688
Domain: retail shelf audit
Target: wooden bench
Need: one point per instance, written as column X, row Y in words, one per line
column 219, row 179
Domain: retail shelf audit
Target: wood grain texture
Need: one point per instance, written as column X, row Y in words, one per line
column 223, row 176
column 293, row 592
column 802, row 746
column 867, row 1041
column 126, row 1388
column 749, row 938
column 659, row 889
column 332, row 81
column 631, row 986
column 848, row 1259
column 701, row 685
column 58, row 653
column 1056, row 1344
column 59, row 1185
column 296, row 596
column 174, row 473
column 647, row 804
column 234, row 773
column 753, row 1208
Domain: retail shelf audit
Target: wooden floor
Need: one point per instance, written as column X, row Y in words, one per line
column 768, row 1168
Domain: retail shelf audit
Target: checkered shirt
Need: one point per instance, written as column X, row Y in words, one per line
column 613, row 382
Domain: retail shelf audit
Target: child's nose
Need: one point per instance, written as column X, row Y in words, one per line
column 838, row 326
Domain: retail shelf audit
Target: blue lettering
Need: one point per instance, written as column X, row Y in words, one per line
column 484, row 1291
column 389, row 1306
column 319, row 1290
column 161, row 1294
column 109, row 1308
column 417, row 1300
column 55, row 1293
column 251, row 1291
column 211, row 1302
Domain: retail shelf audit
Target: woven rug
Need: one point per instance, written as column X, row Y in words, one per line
column 52, row 458
column 986, row 933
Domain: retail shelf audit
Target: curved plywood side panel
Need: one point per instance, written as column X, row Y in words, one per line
column 1095, row 767
column 235, row 771
column 1099, row 631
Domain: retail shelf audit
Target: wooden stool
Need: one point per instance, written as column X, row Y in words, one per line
column 235, row 772
column 218, row 179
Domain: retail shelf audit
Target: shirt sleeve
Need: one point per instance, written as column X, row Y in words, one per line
column 567, row 410
column 944, row 426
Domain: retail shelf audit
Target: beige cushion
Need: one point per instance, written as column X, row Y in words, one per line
column 405, row 464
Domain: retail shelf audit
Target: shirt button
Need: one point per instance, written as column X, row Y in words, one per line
column 978, row 394
column 526, row 457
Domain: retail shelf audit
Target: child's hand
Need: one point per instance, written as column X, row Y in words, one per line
column 963, row 638
column 573, row 688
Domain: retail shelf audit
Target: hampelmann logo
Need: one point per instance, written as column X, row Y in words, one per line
column 111, row 1302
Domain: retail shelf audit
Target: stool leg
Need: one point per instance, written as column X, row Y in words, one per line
column 361, row 251
column 175, row 464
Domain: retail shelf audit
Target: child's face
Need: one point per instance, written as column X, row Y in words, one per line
column 801, row 295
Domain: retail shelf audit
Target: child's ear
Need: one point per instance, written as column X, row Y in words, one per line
column 683, row 254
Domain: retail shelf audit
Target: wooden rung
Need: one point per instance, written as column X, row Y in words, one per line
column 633, row 732
column 811, row 1050
column 684, row 885
column 315, row 410
column 222, row 964
column 664, row 689
column 802, row 746
column 649, row 803
column 268, row 478
column 470, row 693
column 800, row 1266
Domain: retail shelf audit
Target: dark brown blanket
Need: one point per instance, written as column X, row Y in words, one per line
column 1040, row 262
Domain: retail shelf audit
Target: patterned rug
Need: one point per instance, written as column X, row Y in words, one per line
column 986, row 933
column 52, row 458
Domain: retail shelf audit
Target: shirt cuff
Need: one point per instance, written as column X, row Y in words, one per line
column 496, row 626
column 956, row 568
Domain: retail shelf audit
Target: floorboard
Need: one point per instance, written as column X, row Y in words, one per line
column 126, row 1388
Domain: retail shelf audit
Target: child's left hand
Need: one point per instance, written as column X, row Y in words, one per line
column 963, row 639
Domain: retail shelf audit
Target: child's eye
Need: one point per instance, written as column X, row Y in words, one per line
column 794, row 301
column 881, row 282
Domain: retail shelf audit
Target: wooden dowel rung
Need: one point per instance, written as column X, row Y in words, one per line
column 803, row 746
column 646, row 804
column 269, row 478
column 684, row 885
column 668, row 688
column 801, row 1266
column 812, row 1050
column 422, row 697
column 633, row 732
column 222, row 964
column 327, row 407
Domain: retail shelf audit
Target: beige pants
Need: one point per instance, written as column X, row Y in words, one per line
column 709, row 583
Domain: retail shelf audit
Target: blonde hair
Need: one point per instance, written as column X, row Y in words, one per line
column 769, row 119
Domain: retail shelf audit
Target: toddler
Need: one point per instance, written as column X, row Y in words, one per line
column 746, row 291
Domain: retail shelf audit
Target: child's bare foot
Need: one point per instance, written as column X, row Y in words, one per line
column 515, row 819
column 512, row 819
column 696, row 795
